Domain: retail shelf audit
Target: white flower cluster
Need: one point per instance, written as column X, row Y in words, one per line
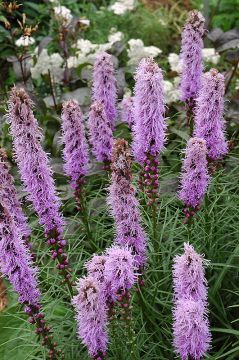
column 121, row 6
column 63, row 14
column 87, row 51
column 138, row 51
column 25, row 41
column 45, row 63
column 171, row 90
column 208, row 54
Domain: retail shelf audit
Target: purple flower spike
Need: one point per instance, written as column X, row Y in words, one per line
column 209, row 122
column 189, row 275
column 76, row 149
column 191, row 330
column 35, row 171
column 9, row 194
column 124, row 206
column 191, row 327
column 119, row 270
column 91, row 310
column 15, row 260
column 194, row 178
column 128, row 110
column 101, row 136
column 149, row 104
column 191, row 55
column 150, row 125
column 104, row 85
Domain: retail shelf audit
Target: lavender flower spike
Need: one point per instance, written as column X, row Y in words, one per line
column 128, row 110
column 194, row 178
column 76, row 148
column 15, row 260
column 124, row 206
column 104, row 85
column 9, row 194
column 36, row 174
column 119, row 270
column 209, row 122
column 191, row 330
column 91, row 317
column 189, row 280
column 96, row 267
column 191, row 56
column 101, row 136
column 150, row 125
column 191, row 327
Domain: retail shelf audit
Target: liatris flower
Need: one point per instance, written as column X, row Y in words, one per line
column 36, row 174
column 91, row 310
column 128, row 110
column 150, row 126
column 75, row 152
column 16, row 265
column 9, row 194
column 191, row 56
column 119, row 270
column 15, row 260
column 189, row 280
column 123, row 204
column 96, row 267
column 191, row 329
column 101, row 136
column 194, row 178
column 104, row 85
column 209, row 122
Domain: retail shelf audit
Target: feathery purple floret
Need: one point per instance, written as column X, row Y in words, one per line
column 194, row 178
column 191, row 330
column 91, row 310
column 96, row 267
column 123, row 204
column 75, row 151
column 8, row 193
column 149, row 108
column 191, row 56
column 119, row 270
column 127, row 113
column 15, row 260
column 189, row 280
column 209, row 122
column 101, row 136
column 32, row 161
column 104, row 85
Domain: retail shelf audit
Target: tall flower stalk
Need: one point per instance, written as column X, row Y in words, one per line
column 101, row 135
column 192, row 336
column 209, row 122
column 104, row 85
column 9, row 194
column 76, row 153
column 192, row 63
column 123, row 204
column 194, row 178
column 36, row 175
column 16, row 266
column 150, row 125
